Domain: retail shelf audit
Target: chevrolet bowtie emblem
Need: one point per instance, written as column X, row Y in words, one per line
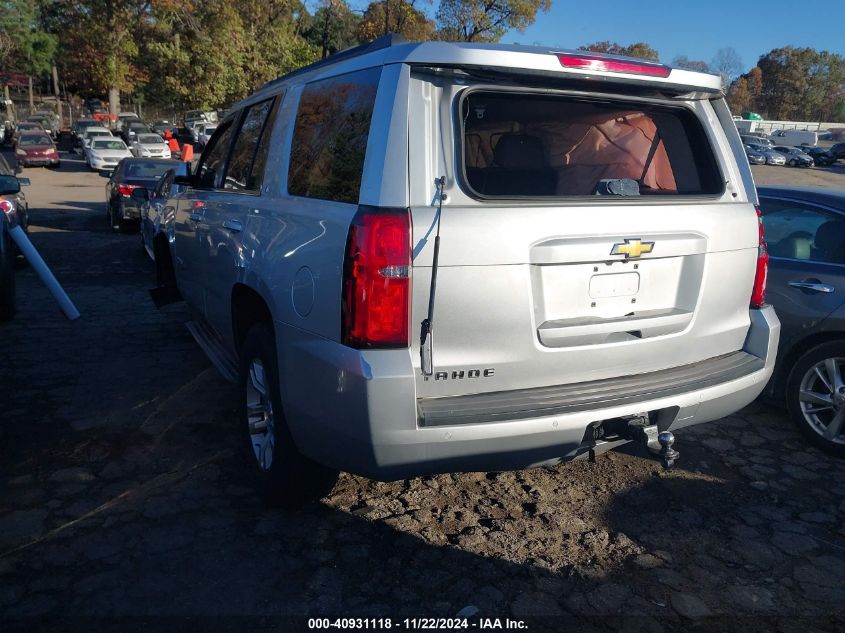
column 632, row 248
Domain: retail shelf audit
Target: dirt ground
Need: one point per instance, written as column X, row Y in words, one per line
column 124, row 504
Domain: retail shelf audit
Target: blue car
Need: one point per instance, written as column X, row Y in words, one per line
column 805, row 232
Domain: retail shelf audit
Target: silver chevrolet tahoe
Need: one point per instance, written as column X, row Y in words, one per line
column 427, row 257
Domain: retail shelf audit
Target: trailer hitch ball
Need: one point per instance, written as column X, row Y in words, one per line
column 667, row 453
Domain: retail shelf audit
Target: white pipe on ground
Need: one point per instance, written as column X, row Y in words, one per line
column 47, row 277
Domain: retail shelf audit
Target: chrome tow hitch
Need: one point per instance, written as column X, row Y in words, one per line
column 658, row 443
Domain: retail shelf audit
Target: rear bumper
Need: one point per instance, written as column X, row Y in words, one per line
column 358, row 411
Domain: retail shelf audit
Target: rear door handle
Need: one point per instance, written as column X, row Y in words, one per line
column 233, row 225
column 195, row 217
column 813, row 286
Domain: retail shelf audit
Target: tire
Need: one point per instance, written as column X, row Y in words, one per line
column 283, row 476
column 115, row 223
column 165, row 273
column 793, row 163
column 812, row 420
column 7, row 279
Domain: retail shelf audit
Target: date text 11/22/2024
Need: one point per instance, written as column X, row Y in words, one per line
column 415, row 624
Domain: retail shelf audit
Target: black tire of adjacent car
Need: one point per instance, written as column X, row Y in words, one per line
column 292, row 480
column 115, row 222
column 7, row 278
column 793, row 163
column 820, row 352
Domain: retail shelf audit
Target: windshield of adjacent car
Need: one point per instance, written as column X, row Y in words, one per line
column 109, row 144
column 150, row 139
column 153, row 169
column 92, row 133
column 33, row 140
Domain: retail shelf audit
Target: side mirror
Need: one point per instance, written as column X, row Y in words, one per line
column 24, row 182
column 140, row 194
column 9, row 185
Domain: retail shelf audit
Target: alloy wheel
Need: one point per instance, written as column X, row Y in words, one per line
column 259, row 415
column 821, row 396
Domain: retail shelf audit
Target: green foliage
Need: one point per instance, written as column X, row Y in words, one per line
column 27, row 47
column 395, row 16
column 333, row 28
column 640, row 50
column 790, row 83
column 486, row 20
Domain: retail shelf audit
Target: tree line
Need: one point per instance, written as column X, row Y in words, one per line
column 792, row 84
column 198, row 54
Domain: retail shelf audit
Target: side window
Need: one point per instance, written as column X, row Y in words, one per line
column 213, row 159
column 249, row 152
column 798, row 231
column 330, row 136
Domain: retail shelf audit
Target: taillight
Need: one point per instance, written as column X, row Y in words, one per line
column 758, row 294
column 377, row 279
column 7, row 207
column 126, row 190
column 602, row 64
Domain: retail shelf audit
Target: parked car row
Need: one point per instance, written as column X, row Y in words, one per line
column 762, row 151
column 14, row 211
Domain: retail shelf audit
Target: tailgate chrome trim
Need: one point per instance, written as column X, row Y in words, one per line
column 500, row 406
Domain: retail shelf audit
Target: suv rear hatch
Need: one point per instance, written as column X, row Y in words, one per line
column 585, row 237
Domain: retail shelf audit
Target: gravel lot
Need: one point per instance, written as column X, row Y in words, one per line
column 124, row 504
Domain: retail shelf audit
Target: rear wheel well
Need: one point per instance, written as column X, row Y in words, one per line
column 248, row 309
column 796, row 351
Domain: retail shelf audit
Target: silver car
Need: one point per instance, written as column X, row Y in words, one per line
column 428, row 257
column 772, row 157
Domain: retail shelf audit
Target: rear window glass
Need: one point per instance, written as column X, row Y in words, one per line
column 151, row 169
column 330, row 136
column 109, row 145
column 541, row 145
column 33, row 140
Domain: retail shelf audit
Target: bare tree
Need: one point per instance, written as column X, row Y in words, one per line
column 728, row 64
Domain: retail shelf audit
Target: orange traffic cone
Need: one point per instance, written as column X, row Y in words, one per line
column 187, row 152
column 173, row 144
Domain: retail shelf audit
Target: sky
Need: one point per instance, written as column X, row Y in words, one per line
column 695, row 28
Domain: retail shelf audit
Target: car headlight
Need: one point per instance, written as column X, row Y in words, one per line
column 20, row 152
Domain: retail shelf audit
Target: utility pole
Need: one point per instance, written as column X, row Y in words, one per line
column 58, row 94
column 386, row 17
column 31, row 100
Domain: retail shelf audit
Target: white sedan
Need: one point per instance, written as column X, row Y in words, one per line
column 150, row 146
column 88, row 134
column 103, row 154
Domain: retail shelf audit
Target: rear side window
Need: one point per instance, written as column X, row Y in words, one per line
column 330, row 136
column 213, row 159
column 540, row 145
column 245, row 172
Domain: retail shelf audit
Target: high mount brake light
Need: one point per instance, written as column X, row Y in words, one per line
column 376, row 279
column 601, row 64
column 758, row 294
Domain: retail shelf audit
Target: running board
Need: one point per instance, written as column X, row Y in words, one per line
column 213, row 347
